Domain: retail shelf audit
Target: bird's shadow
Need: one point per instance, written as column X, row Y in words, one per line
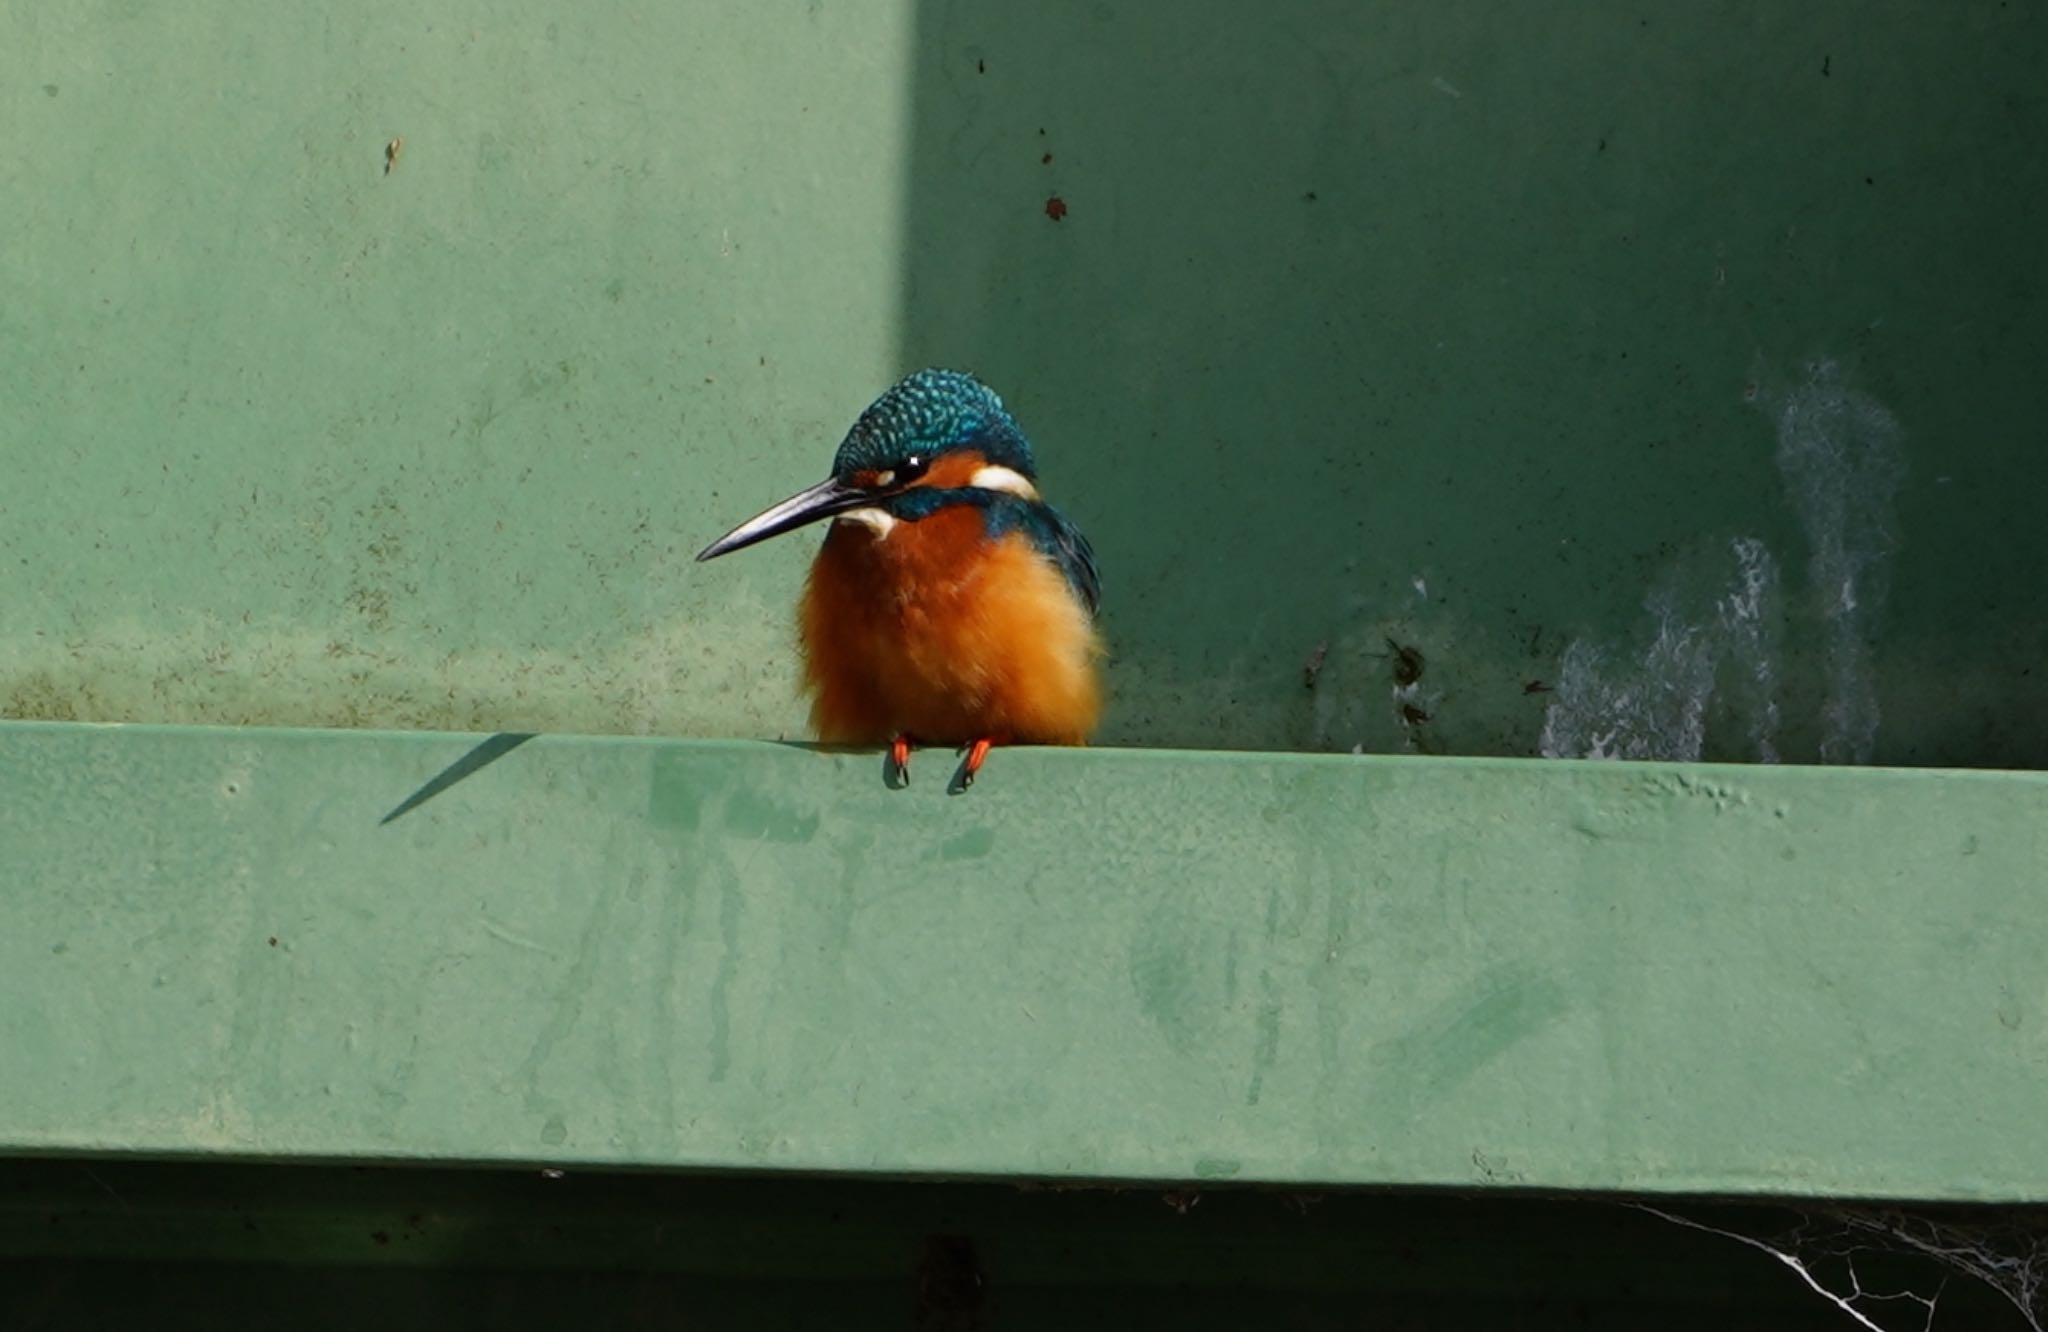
column 494, row 747
column 485, row 753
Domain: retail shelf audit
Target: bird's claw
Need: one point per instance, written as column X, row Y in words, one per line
column 977, row 753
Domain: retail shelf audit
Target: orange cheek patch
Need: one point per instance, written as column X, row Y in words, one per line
column 955, row 470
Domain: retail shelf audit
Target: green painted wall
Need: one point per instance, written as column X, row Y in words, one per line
column 1471, row 326
column 1562, row 269
column 298, row 441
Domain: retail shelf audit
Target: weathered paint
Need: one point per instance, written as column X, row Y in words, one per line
column 1098, row 964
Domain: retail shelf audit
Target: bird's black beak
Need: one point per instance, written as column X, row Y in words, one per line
column 830, row 496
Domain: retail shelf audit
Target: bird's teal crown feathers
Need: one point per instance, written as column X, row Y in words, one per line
column 933, row 412
column 929, row 413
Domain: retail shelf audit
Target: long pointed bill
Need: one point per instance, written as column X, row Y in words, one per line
column 823, row 500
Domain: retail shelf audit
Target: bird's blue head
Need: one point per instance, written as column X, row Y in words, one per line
column 920, row 422
column 927, row 415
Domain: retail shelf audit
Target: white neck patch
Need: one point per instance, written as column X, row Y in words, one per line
column 1004, row 479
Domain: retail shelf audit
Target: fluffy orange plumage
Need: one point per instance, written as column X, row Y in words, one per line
column 949, row 605
column 938, row 632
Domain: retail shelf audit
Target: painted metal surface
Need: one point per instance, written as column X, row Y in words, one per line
column 1099, row 964
column 1488, row 330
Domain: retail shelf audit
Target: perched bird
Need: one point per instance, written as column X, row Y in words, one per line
column 949, row 604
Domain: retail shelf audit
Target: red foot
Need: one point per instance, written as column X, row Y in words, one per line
column 899, row 755
column 975, row 756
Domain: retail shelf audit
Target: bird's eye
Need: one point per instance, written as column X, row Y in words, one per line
column 894, row 478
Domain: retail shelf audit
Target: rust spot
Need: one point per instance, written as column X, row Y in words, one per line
column 1055, row 208
column 1407, row 663
column 1313, row 667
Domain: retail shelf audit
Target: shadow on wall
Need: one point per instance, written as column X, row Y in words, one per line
column 1405, row 366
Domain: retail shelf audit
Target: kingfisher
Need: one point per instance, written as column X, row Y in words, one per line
column 949, row 604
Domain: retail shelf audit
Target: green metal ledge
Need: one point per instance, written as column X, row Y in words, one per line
column 1100, row 965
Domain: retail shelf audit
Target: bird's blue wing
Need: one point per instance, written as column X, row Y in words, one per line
column 1003, row 513
column 1059, row 540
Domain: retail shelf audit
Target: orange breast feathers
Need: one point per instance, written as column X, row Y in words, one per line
column 933, row 629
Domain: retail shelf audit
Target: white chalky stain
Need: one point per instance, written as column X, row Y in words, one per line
column 1840, row 454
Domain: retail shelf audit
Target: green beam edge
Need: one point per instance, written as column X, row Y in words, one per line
column 1098, row 965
